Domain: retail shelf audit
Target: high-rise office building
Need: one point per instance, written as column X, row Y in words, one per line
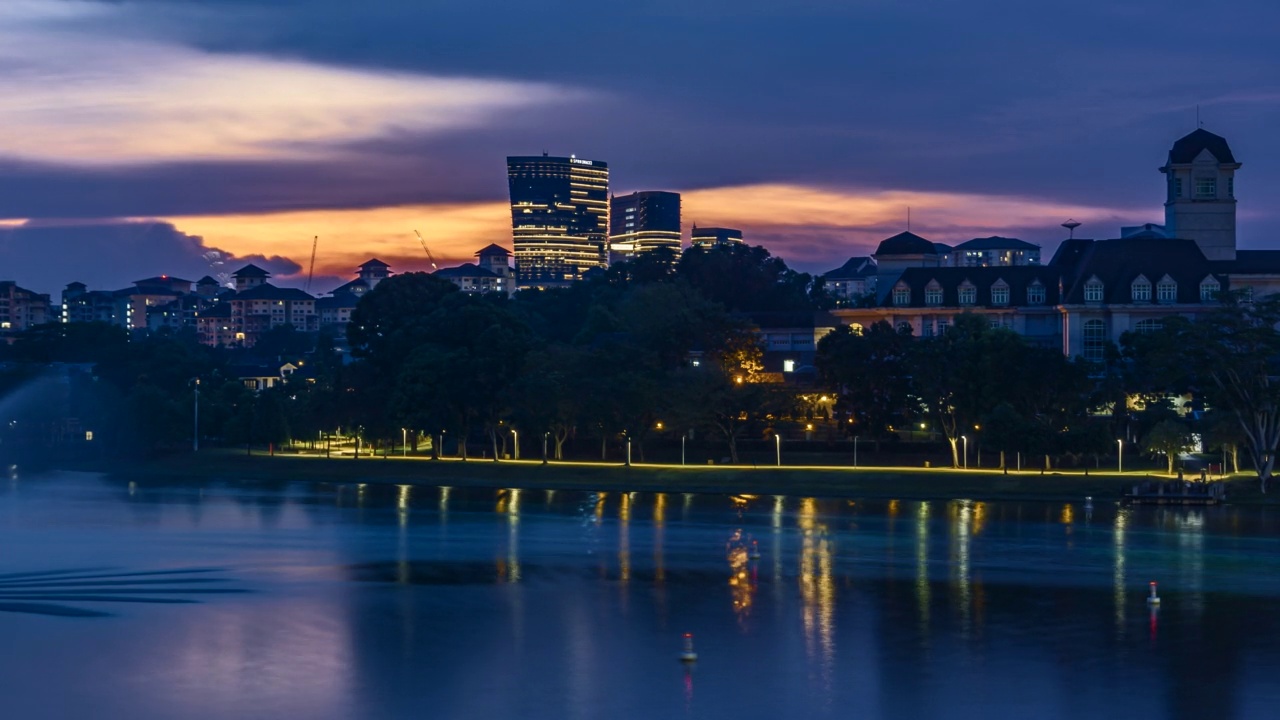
column 559, row 218
column 644, row 221
column 709, row 236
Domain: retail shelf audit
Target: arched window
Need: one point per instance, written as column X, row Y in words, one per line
column 1093, row 290
column 905, row 327
column 1000, row 293
column 968, row 293
column 1140, row 290
column 1167, row 290
column 1095, row 340
column 1149, row 326
column 933, row 293
column 901, row 294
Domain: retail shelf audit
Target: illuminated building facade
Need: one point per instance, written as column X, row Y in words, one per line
column 709, row 236
column 642, row 222
column 559, row 218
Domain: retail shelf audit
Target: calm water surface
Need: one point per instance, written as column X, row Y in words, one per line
column 141, row 601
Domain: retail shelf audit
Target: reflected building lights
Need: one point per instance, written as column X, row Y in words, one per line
column 624, row 539
column 659, row 530
column 817, row 587
column 1190, row 558
column 922, row 564
column 963, row 518
column 1118, row 573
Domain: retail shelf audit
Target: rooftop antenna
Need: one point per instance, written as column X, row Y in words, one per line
column 1071, row 226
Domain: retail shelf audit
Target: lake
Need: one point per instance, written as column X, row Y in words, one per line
column 185, row 600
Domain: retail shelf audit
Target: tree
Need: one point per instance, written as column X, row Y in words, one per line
column 868, row 372
column 1228, row 358
column 1170, row 438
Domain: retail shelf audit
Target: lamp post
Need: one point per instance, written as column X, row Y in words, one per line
column 404, row 442
column 686, row 437
column 777, row 440
column 515, row 442
column 628, row 451
column 965, row 438
column 1120, row 455
column 195, row 423
column 544, row 448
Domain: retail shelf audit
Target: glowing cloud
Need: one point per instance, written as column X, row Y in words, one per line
column 73, row 96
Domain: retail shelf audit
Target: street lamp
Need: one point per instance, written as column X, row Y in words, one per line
column 686, row 437
column 544, row 448
column 1120, row 455
column 404, row 442
column 965, row 438
column 195, row 423
column 515, row 442
column 777, row 440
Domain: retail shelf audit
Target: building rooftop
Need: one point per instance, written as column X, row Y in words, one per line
column 855, row 267
column 905, row 243
column 464, row 270
column 267, row 291
column 1189, row 146
column 374, row 263
column 251, row 270
column 493, row 249
column 995, row 242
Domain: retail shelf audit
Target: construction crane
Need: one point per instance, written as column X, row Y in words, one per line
column 430, row 257
column 311, row 272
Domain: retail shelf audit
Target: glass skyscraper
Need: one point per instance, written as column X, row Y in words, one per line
column 644, row 221
column 559, row 218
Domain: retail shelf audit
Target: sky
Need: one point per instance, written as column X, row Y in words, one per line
column 187, row 137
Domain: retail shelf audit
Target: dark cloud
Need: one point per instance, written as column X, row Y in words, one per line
column 1077, row 102
column 45, row 256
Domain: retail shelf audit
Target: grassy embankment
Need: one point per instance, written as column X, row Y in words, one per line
column 876, row 482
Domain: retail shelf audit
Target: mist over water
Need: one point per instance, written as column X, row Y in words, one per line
column 186, row 600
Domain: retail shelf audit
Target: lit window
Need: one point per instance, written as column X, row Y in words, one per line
column 1000, row 294
column 1141, row 290
column 1093, row 291
column 933, row 294
column 1167, row 291
column 1206, row 187
column 1035, row 293
column 1095, row 340
column 902, row 295
column 968, row 294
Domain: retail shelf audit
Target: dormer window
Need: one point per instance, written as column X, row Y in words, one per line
column 1206, row 188
column 901, row 294
column 1000, row 293
column 1093, row 290
column 933, row 293
column 1140, row 291
column 968, row 293
column 1209, row 289
column 1035, row 293
column 1167, row 290
column 1177, row 187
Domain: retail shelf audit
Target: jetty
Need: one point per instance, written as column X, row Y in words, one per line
column 1176, row 492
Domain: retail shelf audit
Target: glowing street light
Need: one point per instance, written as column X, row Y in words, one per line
column 544, row 447
column 404, row 442
column 965, row 438
column 515, row 442
column 1120, row 455
column 777, row 439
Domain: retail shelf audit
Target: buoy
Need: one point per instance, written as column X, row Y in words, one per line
column 755, row 550
column 1153, row 598
column 688, row 655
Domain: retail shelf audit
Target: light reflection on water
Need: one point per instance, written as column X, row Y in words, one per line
column 405, row 601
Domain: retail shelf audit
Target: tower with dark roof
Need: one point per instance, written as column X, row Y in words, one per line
column 1201, row 200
